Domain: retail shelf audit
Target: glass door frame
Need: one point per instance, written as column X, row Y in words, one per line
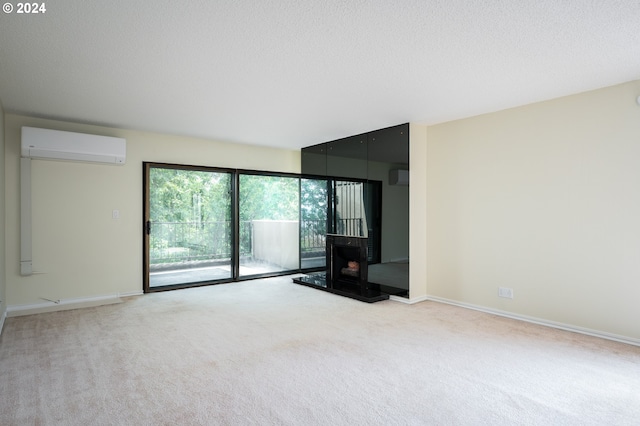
column 147, row 225
column 235, row 223
column 253, row 173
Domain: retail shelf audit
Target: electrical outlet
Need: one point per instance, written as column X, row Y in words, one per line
column 505, row 292
column 115, row 214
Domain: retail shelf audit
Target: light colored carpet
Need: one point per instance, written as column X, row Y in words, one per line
column 271, row 352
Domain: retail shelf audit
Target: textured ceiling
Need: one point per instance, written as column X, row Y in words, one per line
column 297, row 73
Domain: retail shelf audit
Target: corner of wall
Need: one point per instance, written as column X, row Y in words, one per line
column 3, row 275
column 417, row 211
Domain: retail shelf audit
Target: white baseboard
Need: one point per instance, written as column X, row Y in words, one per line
column 130, row 294
column 539, row 321
column 66, row 304
column 407, row 300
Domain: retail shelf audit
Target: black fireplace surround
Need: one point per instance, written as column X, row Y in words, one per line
column 346, row 270
column 347, row 260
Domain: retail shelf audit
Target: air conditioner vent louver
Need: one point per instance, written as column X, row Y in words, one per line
column 399, row 177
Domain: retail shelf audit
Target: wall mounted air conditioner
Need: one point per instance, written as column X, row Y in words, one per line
column 58, row 145
column 399, row 177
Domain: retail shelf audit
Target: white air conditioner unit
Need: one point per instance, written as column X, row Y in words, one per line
column 58, row 145
column 398, row 177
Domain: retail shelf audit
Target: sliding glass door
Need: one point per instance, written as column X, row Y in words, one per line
column 188, row 227
column 269, row 226
column 207, row 225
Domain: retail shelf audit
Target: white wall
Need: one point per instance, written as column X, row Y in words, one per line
column 79, row 249
column 543, row 199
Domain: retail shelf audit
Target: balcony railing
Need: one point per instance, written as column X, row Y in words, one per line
column 313, row 238
column 175, row 242
column 171, row 242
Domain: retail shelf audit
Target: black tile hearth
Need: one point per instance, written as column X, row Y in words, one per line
column 373, row 292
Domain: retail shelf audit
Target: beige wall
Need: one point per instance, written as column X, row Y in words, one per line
column 543, row 199
column 417, row 212
column 78, row 249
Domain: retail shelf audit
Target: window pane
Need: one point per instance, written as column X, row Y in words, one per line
column 269, row 224
column 190, row 238
column 313, row 228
